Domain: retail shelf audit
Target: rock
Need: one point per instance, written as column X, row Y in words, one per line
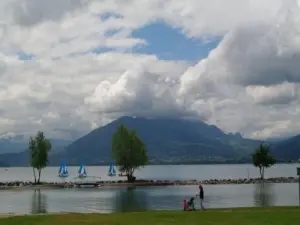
column 143, row 182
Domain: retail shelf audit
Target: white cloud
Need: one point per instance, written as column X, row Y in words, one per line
column 66, row 90
column 140, row 91
column 215, row 17
column 253, row 65
column 278, row 94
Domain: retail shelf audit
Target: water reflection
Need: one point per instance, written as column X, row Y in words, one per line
column 109, row 200
column 38, row 202
column 264, row 194
column 131, row 200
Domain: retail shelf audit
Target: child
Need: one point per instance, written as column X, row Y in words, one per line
column 190, row 204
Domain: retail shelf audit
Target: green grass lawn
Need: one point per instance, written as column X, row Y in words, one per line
column 246, row 216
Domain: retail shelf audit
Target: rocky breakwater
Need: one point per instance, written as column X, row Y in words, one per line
column 52, row 185
column 28, row 184
column 196, row 182
column 13, row 184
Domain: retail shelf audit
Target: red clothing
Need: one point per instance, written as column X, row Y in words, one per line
column 184, row 205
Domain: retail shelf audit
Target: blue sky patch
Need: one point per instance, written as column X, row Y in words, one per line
column 107, row 15
column 100, row 50
column 171, row 44
column 25, row 56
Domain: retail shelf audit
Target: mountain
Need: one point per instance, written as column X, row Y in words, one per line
column 14, row 145
column 20, row 157
column 11, row 146
column 166, row 140
column 59, row 145
column 277, row 139
column 287, row 149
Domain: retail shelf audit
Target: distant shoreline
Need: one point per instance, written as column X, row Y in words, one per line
column 149, row 164
column 163, row 164
column 19, row 185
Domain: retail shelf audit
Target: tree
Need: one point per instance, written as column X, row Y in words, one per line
column 39, row 148
column 128, row 151
column 262, row 159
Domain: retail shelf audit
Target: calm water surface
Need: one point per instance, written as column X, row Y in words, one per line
column 178, row 172
column 107, row 200
column 139, row 199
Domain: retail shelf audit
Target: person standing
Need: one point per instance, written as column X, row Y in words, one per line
column 201, row 195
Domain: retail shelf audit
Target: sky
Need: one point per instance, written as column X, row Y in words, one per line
column 68, row 67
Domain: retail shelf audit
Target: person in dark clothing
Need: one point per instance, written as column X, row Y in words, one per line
column 201, row 195
column 190, row 204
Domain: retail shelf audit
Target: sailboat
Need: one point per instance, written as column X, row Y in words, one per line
column 63, row 170
column 82, row 172
column 111, row 170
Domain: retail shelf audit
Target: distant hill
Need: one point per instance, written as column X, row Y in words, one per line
column 166, row 140
column 20, row 157
column 277, row 139
column 9, row 146
column 15, row 145
column 288, row 149
column 3, row 164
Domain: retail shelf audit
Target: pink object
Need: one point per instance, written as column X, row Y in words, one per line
column 184, row 205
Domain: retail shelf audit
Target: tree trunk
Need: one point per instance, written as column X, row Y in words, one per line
column 34, row 175
column 39, row 179
column 130, row 177
column 262, row 173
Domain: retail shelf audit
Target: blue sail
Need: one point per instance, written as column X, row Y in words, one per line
column 63, row 171
column 60, row 169
column 111, row 170
column 82, row 171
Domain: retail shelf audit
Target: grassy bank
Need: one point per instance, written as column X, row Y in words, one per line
column 246, row 216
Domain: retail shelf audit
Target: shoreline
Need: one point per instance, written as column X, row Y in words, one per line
column 192, row 163
column 142, row 183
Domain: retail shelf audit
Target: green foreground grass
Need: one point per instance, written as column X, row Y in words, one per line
column 242, row 216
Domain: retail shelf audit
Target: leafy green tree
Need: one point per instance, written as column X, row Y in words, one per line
column 39, row 148
column 128, row 151
column 263, row 159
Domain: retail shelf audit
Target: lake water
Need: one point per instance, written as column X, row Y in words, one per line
column 163, row 172
column 107, row 200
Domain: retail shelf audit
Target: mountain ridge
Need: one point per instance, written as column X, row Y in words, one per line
column 168, row 140
column 164, row 138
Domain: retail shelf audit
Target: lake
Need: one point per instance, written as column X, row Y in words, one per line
column 107, row 200
column 161, row 172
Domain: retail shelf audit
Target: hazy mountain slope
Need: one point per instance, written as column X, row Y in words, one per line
column 288, row 149
column 164, row 138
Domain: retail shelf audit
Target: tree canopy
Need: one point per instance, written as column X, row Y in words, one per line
column 128, row 151
column 39, row 148
column 263, row 159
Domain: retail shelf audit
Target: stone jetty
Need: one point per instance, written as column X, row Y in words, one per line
column 148, row 183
